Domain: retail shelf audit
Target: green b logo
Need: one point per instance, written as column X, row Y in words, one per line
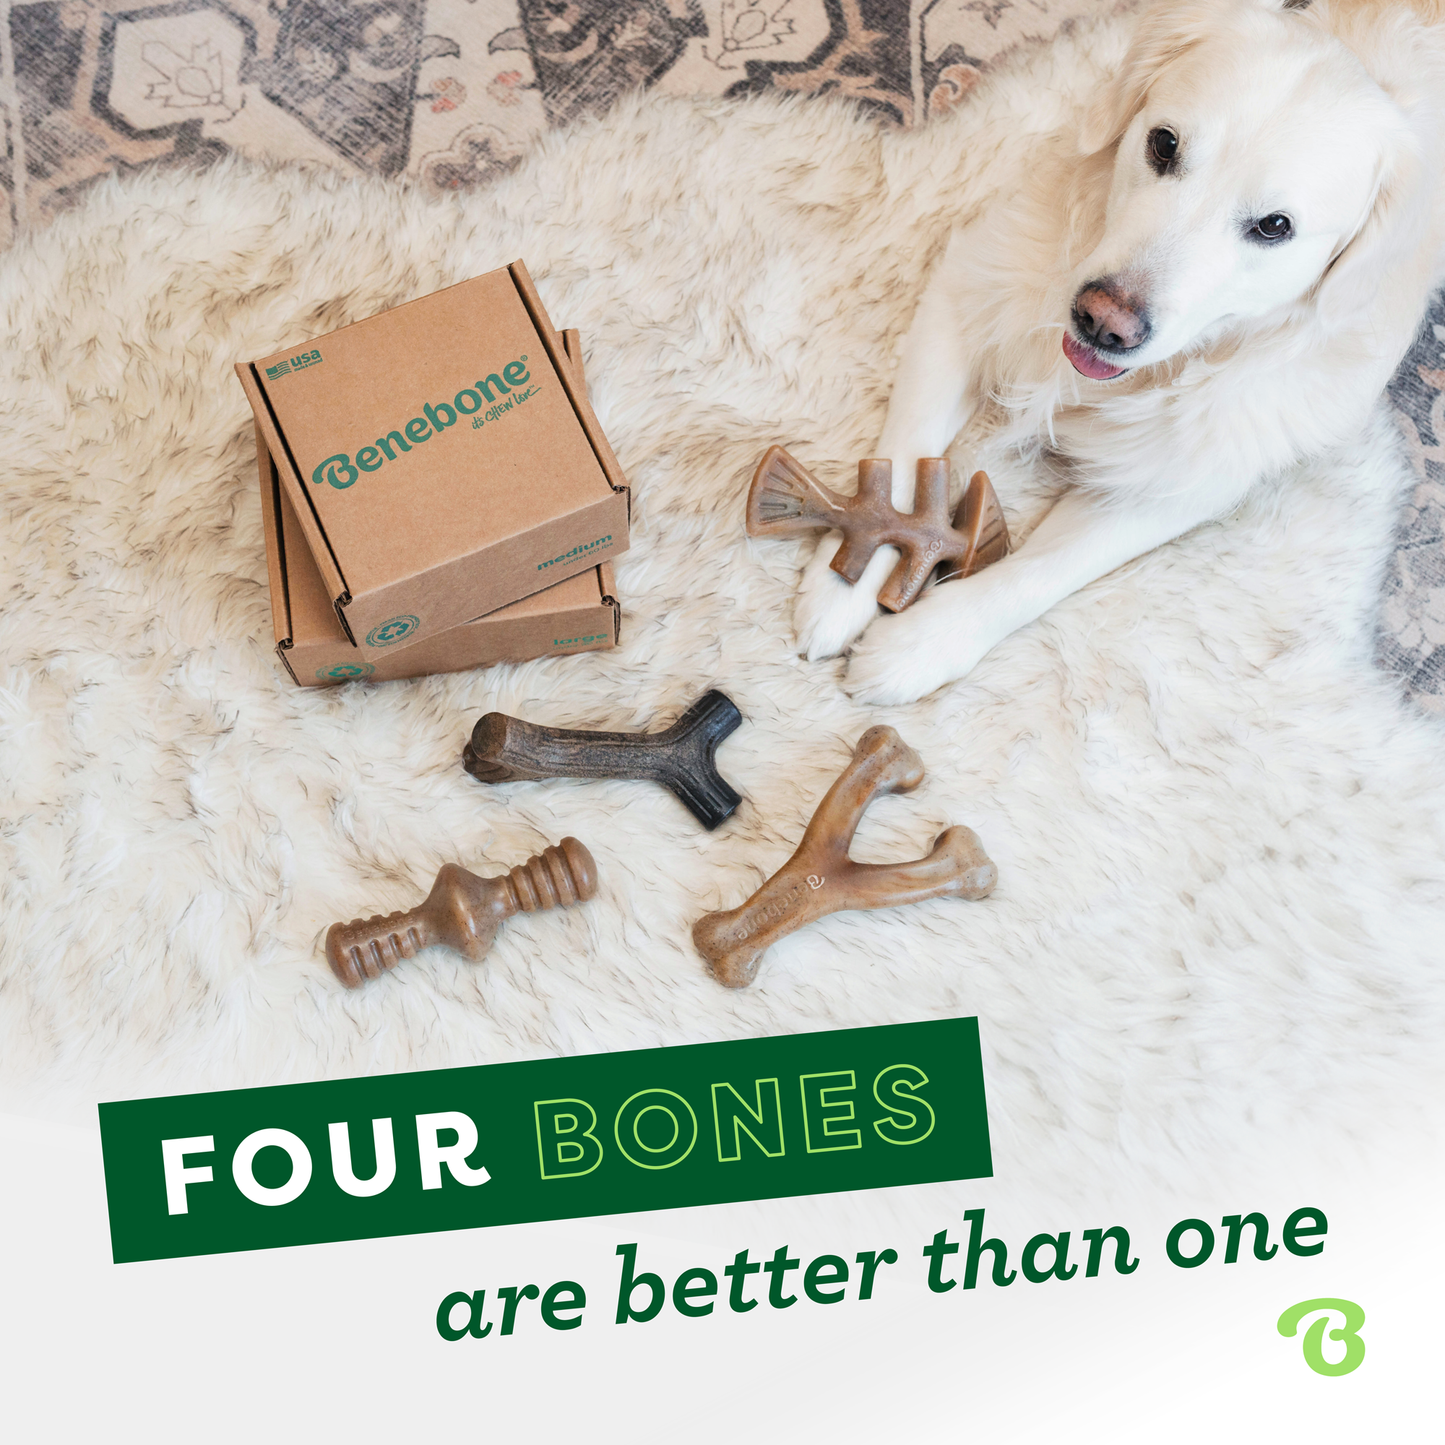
column 344, row 671
column 1313, row 1343
column 392, row 630
column 337, row 470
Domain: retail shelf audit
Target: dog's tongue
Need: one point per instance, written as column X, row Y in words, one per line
column 1087, row 361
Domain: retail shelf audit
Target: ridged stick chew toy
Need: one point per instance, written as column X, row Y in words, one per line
column 680, row 757
column 820, row 878
column 785, row 499
column 462, row 911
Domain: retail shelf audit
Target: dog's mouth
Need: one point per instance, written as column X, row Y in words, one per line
column 1087, row 362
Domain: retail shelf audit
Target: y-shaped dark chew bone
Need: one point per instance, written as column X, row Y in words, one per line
column 681, row 757
column 820, row 878
column 462, row 911
column 786, row 499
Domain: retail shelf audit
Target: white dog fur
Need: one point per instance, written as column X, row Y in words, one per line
column 1259, row 353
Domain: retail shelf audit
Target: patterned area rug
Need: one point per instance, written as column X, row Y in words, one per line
column 452, row 91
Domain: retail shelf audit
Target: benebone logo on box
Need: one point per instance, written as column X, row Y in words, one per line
column 441, row 459
column 340, row 472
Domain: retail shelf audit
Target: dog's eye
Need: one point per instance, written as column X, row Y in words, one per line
column 1163, row 148
column 1274, row 227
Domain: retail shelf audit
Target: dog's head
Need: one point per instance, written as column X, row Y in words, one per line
column 1257, row 165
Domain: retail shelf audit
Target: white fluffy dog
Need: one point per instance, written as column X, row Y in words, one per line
column 1206, row 276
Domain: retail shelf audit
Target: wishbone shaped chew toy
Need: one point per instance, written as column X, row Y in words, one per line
column 786, row 499
column 820, row 878
column 462, row 911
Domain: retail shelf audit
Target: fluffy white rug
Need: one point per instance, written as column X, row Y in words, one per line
column 1218, row 833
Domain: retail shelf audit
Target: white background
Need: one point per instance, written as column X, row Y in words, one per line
column 338, row 1341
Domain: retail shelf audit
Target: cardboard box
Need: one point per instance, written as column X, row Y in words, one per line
column 441, row 460
column 579, row 615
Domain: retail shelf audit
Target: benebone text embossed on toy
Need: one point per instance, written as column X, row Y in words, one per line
column 680, row 757
column 462, row 911
column 786, row 499
column 820, row 878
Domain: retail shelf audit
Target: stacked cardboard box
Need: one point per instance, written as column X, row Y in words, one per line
column 476, row 527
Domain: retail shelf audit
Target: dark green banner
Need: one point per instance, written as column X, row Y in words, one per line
column 550, row 1139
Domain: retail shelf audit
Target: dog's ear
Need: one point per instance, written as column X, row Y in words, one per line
column 1389, row 231
column 1166, row 31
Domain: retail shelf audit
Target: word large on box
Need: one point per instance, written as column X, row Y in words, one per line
column 549, row 1139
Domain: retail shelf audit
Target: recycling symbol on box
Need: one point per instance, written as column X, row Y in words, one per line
column 392, row 630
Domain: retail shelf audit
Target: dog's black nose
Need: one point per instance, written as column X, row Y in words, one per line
column 1108, row 319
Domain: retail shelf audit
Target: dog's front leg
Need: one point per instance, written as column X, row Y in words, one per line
column 1085, row 536
column 925, row 412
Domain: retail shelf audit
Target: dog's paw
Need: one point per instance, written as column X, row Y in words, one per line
column 908, row 656
column 829, row 612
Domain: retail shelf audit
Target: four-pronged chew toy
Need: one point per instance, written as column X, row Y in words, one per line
column 680, row 757
column 820, row 878
column 462, row 911
column 786, row 499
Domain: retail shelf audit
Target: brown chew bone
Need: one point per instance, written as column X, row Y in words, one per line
column 786, row 499
column 820, row 878
column 462, row 911
column 682, row 757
